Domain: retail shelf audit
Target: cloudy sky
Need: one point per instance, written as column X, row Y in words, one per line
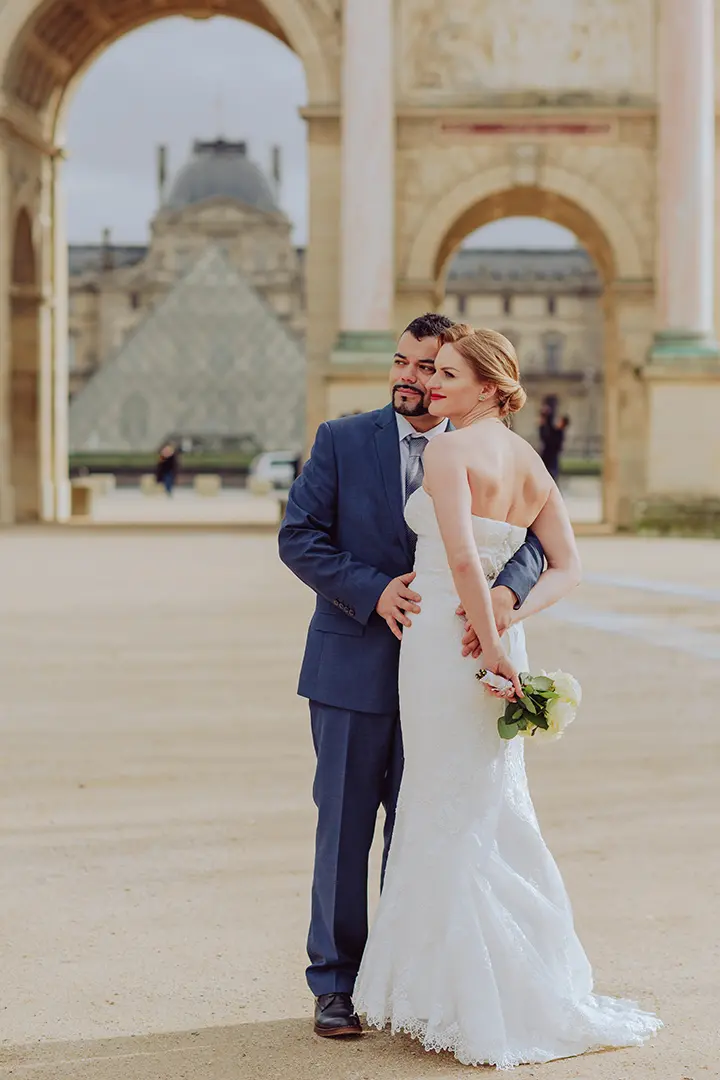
column 180, row 79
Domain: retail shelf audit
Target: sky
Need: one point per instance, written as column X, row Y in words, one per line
column 179, row 79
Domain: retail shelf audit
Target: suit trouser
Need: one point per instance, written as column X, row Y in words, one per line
column 359, row 767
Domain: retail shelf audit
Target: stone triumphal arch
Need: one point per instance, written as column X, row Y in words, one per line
column 424, row 122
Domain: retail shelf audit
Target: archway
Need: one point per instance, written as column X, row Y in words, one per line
column 531, row 280
column 24, row 396
column 51, row 49
column 460, row 215
column 44, row 52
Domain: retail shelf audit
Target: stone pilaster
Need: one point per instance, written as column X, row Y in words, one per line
column 683, row 375
column 60, row 433
column 368, row 185
column 686, row 182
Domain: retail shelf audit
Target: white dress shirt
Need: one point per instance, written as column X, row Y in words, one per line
column 405, row 428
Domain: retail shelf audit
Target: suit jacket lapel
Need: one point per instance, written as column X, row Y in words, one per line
column 387, row 445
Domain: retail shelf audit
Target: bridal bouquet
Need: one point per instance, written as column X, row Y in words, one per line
column 550, row 702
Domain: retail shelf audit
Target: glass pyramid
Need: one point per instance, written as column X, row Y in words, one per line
column 211, row 359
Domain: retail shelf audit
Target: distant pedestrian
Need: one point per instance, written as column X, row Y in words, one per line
column 167, row 467
column 552, row 440
column 545, row 426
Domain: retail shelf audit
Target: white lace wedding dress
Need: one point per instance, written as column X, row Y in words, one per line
column 473, row 948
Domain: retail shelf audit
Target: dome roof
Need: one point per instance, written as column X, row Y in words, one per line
column 221, row 169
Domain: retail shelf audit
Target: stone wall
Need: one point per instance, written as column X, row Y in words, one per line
column 520, row 50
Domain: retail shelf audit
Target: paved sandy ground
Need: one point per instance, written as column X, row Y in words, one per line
column 156, row 823
column 232, row 506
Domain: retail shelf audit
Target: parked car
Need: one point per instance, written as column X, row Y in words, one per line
column 276, row 468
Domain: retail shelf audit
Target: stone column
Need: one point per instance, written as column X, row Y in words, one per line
column 46, row 358
column 367, row 283
column 686, row 177
column 681, row 482
column 60, row 377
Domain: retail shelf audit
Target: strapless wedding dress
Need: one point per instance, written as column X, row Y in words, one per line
column 473, row 948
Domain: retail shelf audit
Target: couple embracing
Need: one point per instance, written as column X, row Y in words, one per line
column 429, row 531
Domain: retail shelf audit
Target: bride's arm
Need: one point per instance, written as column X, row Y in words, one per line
column 446, row 480
column 564, row 571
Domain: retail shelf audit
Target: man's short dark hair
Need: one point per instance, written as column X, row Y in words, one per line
column 428, row 325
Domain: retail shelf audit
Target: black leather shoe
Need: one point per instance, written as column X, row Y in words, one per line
column 335, row 1016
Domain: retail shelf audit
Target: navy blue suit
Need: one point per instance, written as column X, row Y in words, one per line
column 345, row 536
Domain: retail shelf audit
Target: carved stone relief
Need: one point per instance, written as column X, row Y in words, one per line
column 626, row 176
column 423, row 178
column 592, row 48
column 623, row 175
column 25, row 173
column 327, row 17
column 525, row 162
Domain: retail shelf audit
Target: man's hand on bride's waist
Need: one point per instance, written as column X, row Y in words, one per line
column 396, row 602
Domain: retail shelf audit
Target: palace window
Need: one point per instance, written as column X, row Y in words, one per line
column 552, row 350
column 507, row 305
column 551, row 305
column 461, row 304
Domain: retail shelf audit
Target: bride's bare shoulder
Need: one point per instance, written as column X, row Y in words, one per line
column 446, row 459
column 485, row 443
column 529, row 455
column 444, row 446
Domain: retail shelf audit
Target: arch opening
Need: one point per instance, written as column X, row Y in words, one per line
column 531, row 202
column 44, row 59
column 556, row 305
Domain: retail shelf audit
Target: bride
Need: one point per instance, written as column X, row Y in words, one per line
column 473, row 948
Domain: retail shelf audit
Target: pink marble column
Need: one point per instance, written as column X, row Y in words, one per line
column 368, row 176
column 686, row 168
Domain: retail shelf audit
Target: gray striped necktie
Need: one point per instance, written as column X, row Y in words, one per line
column 414, row 471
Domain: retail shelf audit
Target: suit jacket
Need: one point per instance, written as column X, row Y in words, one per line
column 344, row 535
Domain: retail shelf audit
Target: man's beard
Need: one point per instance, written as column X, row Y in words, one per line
column 414, row 407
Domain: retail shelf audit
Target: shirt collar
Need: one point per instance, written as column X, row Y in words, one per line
column 405, row 428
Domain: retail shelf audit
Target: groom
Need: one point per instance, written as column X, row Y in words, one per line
column 345, row 536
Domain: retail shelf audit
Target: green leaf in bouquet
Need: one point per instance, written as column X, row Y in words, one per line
column 529, row 705
column 506, row 730
column 517, row 714
column 541, row 682
column 541, row 722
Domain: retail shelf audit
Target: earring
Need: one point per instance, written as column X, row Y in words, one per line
column 482, row 397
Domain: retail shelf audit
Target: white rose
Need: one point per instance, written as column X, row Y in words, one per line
column 558, row 716
column 567, row 687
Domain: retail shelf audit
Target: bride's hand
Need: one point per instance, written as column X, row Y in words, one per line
column 497, row 661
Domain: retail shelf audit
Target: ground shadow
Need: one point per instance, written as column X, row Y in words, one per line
column 281, row 1050
column 273, row 1050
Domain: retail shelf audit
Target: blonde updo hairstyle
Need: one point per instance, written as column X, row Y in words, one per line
column 493, row 360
